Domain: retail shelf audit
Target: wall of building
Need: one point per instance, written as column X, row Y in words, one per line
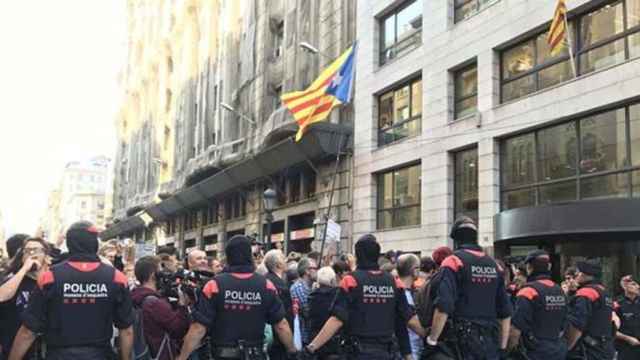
column 445, row 46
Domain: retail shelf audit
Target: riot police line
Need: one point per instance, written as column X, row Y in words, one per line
column 463, row 312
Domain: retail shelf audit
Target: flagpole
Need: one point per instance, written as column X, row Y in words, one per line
column 570, row 45
column 333, row 188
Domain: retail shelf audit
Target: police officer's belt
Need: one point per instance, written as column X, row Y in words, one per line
column 595, row 341
column 374, row 344
column 237, row 351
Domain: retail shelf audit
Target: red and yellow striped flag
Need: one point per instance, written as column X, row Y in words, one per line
column 314, row 104
column 558, row 29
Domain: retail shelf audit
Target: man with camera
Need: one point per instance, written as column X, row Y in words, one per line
column 235, row 308
column 164, row 327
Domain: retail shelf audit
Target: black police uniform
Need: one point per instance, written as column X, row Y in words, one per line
column 277, row 350
column 76, row 305
column 318, row 312
column 591, row 312
column 628, row 311
column 235, row 307
column 370, row 303
column 541, row 315
column 472, row 293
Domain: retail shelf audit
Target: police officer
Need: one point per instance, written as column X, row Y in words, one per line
column 590, row 332
column 471, row 293
column 541, row 313
column 628, row 310
column 235, row 307
column 371, row 305
column 77, row 303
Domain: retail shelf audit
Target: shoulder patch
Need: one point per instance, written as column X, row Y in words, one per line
column 45, row 279
column 271, row 287
column 348, row 282
column 210, row 289
column 120, row 278
column 399, row 283
column 528, row 293
column 547, row 283
column 588, row 293
column 452, row 262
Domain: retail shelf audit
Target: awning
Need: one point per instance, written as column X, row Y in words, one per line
column 582, row 219
column 321, row 142
column 126, row 226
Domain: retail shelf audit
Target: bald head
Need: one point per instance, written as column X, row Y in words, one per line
column 197, row 260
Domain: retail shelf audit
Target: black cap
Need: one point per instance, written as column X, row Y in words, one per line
column 537, row 255
column 14, row 243
column 238, row 251
column 589, row 268
column 82, row 238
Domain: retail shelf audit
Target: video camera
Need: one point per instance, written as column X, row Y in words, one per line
column 189, row 282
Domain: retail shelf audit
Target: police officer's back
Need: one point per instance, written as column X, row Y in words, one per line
column 77, row 303
column 472, row 294
column 590, row 332
column 541, row 313
column 372, row 308
column 236, row 306
column 628, row 310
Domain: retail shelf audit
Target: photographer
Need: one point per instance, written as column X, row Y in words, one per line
column 159, row 319
column 17, row 285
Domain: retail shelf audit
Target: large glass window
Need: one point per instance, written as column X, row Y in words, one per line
column 401, row 31
column 603, row 37
column 587, row 158
column 466, row 91
column 400, row 113
column 399, row 198
column 466, row 183
column 466, row 8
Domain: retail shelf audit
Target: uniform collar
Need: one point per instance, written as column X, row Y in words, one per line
column 473, row 247
column 539, row 276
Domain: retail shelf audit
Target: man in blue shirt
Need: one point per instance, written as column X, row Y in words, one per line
column 307, row 270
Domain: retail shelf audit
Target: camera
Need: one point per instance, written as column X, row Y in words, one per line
column 170, row 284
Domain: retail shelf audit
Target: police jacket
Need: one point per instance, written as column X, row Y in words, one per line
column 590, row 311
column 628, row 311
column 77, row 303
column 369, row 303
column 472, row 287
column 236, row 306
column 541, row 309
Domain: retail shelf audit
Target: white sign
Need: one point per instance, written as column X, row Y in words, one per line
column 145, row 249
column 333, row 231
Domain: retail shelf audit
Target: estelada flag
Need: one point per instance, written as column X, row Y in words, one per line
column 333, row 87
column 558, row 29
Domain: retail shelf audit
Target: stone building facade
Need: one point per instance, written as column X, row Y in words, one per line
column 190, row 171
column 462, row 110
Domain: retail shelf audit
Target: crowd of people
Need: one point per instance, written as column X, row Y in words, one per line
column 256, row 303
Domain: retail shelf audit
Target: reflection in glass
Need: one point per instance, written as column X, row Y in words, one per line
column 554, row 74
column 389, row 31
column 399, row 197
column 401, row 104
column 385, row 118
column 466, row 183
column 518, row 60
column 519, row 160
column 406, row 216
column 557, row 152
column 409, row 20
column 416, row 98
column 602, row 57
column 601, row 24
column 466, row 89
column 518, row 199
column 634, row 45
column 518, row 88
column 601, row 187
column 560, row 192
column 542, row 50
column 633, row 13
column 636, row 183
column 603, row 142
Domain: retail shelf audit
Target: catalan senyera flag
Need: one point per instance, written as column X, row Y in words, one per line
column 333, row 87
column 558, row 29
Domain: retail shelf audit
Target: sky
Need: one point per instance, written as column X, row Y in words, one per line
column 59, row 94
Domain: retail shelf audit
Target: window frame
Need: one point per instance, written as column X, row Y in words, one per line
column 456, row 155
column 382, row 59
column 408, row 83
column 574, row 23
column 456, row 101
column 394, row 209
column 627, row 168
column 479, row 8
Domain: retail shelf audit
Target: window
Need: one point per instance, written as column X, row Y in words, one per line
column 400, row 113
column 587, row 158
column 277, row 93
column 171, row 227
column 466, row 184
column 401, row 31
column 234, row 207
column 210, row 214
column 466, row 91
column 278, row 40
column 606, row 36
column 466, row 8
column 399, row 197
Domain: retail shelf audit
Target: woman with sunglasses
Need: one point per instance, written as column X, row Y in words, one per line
column 17, row 283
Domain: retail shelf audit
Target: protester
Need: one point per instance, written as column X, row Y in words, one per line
column 216, row 266
column 168, row 256
column 197, row 261
column 164, row 327
column 628, row 310
column 426, row 294
column 318, row 312
column 274, row 261
column 18, row 283
column 408, row 271
column 341, row 268
column 307, row 271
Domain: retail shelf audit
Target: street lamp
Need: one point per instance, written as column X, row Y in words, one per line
column 269, row 198
column 312, row 49
column 233, row 110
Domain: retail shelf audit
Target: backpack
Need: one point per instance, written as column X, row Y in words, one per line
column 140, row 349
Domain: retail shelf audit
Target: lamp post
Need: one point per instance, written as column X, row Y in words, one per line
column 242, row 116
column 269, row 198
